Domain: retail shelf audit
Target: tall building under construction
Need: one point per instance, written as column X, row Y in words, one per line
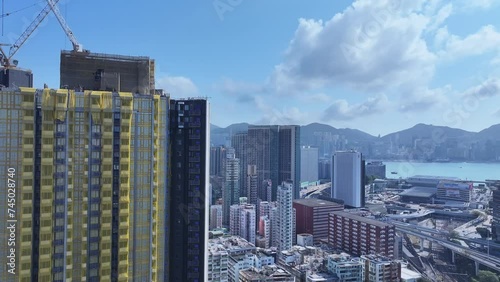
column 93, row 196
column 107, row 72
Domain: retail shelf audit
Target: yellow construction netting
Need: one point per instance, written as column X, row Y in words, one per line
column 106, row 100
column 48, row 98
column 60, row 114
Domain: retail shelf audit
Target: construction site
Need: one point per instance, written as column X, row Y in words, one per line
column 80, row 69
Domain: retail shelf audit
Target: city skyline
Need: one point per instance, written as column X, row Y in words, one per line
column 444, row 72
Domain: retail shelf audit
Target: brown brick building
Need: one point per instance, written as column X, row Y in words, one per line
column 312, row 216
column 359, row 235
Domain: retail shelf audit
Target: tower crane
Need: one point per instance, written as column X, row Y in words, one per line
column 5, row 59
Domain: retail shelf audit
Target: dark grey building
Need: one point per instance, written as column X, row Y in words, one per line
column 189, row 203
column 262, row 151
column 324, row 169
column 376, row 169
column 16, row 78
column 275, row 150
column 289, row 156
column 217, row 160
column 106, row 72
column 239, row 143
column 495, row 204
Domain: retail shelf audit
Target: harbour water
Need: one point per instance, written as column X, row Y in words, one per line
column 465, row 171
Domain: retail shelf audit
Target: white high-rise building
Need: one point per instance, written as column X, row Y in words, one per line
column 348, row 178
column 309, row 161
column 285, row 215
column 242, row 221
column 265, row 230
column 215, row 217
column 274, row 217
column 247, row 223
column 264, row 208
column 234, row 226
column 218, row 258
column 231, row 191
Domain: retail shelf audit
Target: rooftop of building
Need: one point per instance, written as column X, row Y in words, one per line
column 409, row 274
column 321, row 276
column 113, row 57
column 375, row 163
column 377, row 258
column 268, row 271
column 362, row 219
column 420, row 192
column 230, row 243
column 344, row 260
column 313, row 202
column 305, row 235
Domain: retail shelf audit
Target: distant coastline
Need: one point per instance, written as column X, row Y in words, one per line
column 432, row 162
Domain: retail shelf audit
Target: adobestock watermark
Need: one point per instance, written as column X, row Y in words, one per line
column 369, row 30
column 460, row 111
column 224, row 6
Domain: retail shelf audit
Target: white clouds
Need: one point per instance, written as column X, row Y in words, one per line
column 483, row 4
column 378, row 49
column 489, row 88
column 421, row 99
column 486, row 39
column 177, row 86
column 341, row 110
column 270, row 114
column 441, row 17
column 371, row 46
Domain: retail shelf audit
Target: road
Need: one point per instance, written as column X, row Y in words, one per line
column 479, row 257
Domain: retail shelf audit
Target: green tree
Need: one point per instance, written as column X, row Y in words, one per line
column 454, row 234
column 484, row 232
column 486, row 276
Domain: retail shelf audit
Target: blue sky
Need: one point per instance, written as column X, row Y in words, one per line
column 378, row 66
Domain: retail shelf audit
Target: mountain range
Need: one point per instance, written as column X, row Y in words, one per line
column 407, row 136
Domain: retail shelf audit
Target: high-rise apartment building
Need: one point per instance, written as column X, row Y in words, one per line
column 242, row 221
column 215, row 217
column 231, row 192
column 248, row 223
column 252, row 184
column 265, row 190
column 285, row 216
column 265, row 231
column 348, row 178
column 218, row 258
column 312, row 216
column 189, row 190
column 234, row 219
column 309, row 162
column 87, row 172
column 359, row 235
column 274, row 219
